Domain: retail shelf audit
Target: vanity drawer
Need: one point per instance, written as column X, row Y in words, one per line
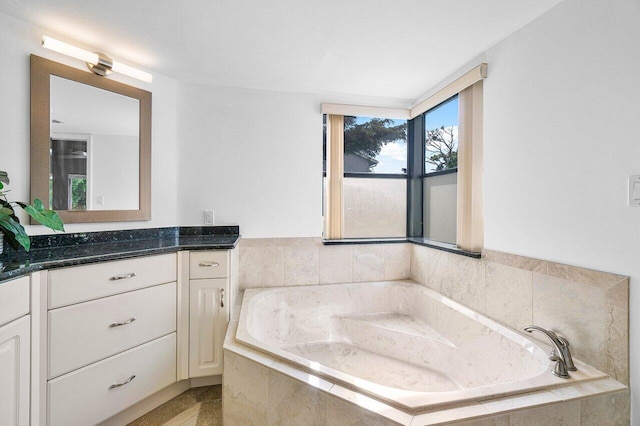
column 81, row 283
column 87, row 332
column 84, row 397
column 14, row 299
column 208, row 264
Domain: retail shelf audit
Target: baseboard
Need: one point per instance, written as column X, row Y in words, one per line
column 197, row 382
column 143, row 407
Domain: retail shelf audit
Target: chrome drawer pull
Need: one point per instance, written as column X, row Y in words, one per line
column 123, row 276
column 117, row 385
column 222, row 297
column 209, row 264
column 118, row 324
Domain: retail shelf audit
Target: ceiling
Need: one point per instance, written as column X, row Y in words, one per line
column 374, row 48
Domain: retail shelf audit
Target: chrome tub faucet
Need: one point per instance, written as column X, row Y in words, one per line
column 559, row 353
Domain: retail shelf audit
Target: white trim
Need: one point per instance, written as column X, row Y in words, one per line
column 198, row 382
column 365, row 111
column 458, row 85
column 39, row 347
column 182, row 315
column 452, row 89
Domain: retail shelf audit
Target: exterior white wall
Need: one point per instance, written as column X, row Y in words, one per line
column 562, row 129
column 19, row 40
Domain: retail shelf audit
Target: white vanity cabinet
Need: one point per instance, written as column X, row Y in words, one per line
column 209, row 309
column 111, row 337
column 15, row 324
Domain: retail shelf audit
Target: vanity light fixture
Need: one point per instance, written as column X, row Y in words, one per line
column 99, row 63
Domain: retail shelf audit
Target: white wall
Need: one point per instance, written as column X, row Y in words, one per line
column 19, row 40
column 254, row 157
column 562, row 133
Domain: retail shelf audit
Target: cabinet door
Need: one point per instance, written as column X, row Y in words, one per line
column 14, row 372
column 208, row 318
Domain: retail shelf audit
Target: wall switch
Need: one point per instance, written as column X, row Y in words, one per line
column 634, row 190
column 208, row 217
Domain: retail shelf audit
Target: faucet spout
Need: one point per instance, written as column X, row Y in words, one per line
column 560, row 354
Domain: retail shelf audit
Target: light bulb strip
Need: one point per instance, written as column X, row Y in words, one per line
column 93, row 59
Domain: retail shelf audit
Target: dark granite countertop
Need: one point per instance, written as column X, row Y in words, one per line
column 60, row 250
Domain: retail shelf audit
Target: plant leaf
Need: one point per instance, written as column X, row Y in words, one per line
column 14, row 232
column 47, row 217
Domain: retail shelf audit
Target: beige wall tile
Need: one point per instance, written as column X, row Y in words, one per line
column 440, row 268
column 520, row 262
column 419, row 264
column 574, row 310
column 244, row 390
column 340, row 412
column 294, row 403
column 617, row 344
column 502, row 420
column 618, row 295
column 397, row 261
column 584, row 276
column 515, row 402
column 368, row 262
column 563, row 414
column 304, row 241
column 256, row 242
column 261, row 267
column 301, row 264
column 467, row 284
column 612, row 409
column 374, row 406
column 509, row 295
column 336, row 264
column 447, row 416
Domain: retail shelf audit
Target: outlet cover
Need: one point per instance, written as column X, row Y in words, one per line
column 208, row 217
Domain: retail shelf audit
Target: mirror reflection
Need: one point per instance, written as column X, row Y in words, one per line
column 90, row 145
column 94, row 148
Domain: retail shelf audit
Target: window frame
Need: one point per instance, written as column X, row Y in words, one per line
column 470, row 226
column 469, row 220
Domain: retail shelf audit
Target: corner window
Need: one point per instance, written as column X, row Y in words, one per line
column 373, row 184
column 440, row 180
column 375, row 145
column 444, row 175
column 420, row 179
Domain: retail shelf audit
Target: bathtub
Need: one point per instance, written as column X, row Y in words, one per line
column 397, row 342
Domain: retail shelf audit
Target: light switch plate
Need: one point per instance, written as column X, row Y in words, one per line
column 634, row 190
column 208, row 217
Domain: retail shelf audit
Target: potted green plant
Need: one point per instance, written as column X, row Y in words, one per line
column 10, row 224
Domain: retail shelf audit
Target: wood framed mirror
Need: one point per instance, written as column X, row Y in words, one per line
column 90, row 145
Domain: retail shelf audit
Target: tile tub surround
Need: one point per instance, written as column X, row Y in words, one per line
column 274, row 262
column 260, row 389
column 397, row 341
column 590, row 308
column 61, row 250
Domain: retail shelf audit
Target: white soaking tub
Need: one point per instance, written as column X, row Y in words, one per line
column 398, row 342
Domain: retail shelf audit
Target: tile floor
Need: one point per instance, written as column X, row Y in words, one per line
column 195, row 407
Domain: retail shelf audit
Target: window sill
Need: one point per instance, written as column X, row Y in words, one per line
column 350, row 241
column 451, row 248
